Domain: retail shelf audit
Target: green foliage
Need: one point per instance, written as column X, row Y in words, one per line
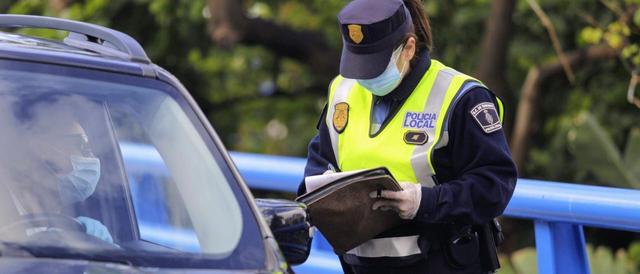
column 596, row 153
column 262, row 102
column 634, row 255
column 619, row 33
column 591, row 35
column 524, row 261
column 599, row 93
column 247, row 89
column 233, row 86
column 631, row 158
column 505, row 264
column 40, row 7
column 587, row 153
column 237, row 83
column 601, row 260
column 457, row 30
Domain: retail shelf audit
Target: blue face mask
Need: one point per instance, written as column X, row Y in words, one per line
column 81, row 182
column 388, row 80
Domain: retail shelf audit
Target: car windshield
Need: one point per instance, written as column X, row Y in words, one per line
column 102, row 165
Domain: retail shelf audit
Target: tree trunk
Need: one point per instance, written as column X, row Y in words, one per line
column 492, row 68
column 495, row 44
column 531, row 91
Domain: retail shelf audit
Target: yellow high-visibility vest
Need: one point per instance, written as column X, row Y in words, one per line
column 404, row 145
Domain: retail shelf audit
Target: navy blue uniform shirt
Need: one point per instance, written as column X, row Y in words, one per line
column 475, row 173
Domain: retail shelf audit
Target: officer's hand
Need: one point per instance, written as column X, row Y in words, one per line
column 95, row 228
column 405, row 202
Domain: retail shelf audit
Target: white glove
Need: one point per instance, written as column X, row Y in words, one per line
column 405, row 202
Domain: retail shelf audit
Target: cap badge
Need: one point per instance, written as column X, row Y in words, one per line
column 340, row 117
column 355, row 33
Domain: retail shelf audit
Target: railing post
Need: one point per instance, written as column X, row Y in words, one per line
column 561, row 248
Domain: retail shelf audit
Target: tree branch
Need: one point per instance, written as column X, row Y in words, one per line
column 613, row 7
column 633, row 83
column 531, row 90
column 546, row 22
column 229, row 25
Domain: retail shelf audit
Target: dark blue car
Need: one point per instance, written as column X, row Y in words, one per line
column 68, row 201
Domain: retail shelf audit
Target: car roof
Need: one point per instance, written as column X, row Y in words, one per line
column 87, row 46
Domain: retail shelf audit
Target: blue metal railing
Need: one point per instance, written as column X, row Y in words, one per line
column 559, row 210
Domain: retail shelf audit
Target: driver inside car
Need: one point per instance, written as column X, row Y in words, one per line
column 64, row 152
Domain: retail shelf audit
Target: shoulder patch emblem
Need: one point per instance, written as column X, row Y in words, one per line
column 487, row 117
column 414, row 137
column 340, row 116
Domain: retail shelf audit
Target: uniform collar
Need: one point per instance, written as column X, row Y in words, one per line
column 412, row 79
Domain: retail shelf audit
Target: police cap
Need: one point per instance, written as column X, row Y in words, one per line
column 371, row 29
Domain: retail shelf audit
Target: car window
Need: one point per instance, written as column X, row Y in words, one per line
column 118, row 163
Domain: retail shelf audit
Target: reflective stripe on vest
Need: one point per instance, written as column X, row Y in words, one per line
column 388, row 247
column 420, row 157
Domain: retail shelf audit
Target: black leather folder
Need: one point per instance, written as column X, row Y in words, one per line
column 341, row 209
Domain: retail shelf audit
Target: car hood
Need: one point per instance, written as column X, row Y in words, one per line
column 48, row 265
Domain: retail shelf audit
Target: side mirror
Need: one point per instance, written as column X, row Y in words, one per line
column 290, row 226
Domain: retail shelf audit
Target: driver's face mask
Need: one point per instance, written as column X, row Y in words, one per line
column 81, row 182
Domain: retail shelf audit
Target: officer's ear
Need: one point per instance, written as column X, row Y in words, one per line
column 409, row 49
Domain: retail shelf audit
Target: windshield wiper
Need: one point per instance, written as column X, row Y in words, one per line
column 12, row 249
column 88, row 255
column 139, row 258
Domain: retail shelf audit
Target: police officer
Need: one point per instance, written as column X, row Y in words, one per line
column 438, row 131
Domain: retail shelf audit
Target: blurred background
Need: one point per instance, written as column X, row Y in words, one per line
column 567, row 71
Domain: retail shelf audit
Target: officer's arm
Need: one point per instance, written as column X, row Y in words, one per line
column 484, row 175
column 320, row 152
